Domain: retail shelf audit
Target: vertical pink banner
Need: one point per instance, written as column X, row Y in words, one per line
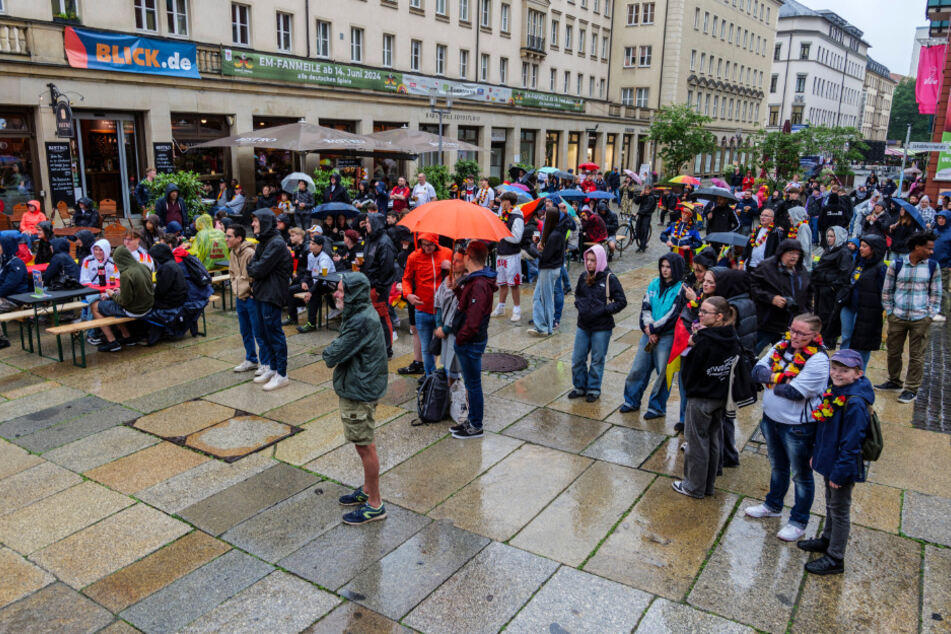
column 930, row 71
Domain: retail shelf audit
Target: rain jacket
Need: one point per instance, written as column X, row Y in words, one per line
column 89, row 269
column 88, row 217
column 771, row 278
column 62, row 264
column 270, row 268
column 663, row 302
column 706, row 370
column 475, row 292
column 84, row 248
column 209, row 244
column 136, row 295
column 13, row 275
column 170, row 287
column 837, row 452
column 733, row 285
column 942, row 246
column 423, row 273
column 161, row 208
column 865, row 296
column 238, row 269
column 595, row 311
column 379, row 262
column 830, row 281
column 31, row 219
column 803, row 234
column 358, row 354
column 835, row 212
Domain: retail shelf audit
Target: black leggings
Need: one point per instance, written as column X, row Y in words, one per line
column 643, row 229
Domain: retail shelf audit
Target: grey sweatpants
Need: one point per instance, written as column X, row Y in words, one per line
column 702, row 430
column 838, row 523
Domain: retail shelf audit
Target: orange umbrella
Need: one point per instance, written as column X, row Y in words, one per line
column 456, row 219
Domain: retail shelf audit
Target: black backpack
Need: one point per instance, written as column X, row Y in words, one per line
column 432, row 398
column 743, row 388
column 196, row 271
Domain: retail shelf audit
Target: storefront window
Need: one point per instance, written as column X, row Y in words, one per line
column 526, row 146
column 189, row 130
column 551, row 148
column 17, row 177
column 574, row 144
column 610, row 152
column 387, row 168
column 429, row 158
column 271, row 165
column 469, row 134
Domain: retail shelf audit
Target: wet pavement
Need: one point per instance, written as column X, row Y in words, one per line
column 158, row 491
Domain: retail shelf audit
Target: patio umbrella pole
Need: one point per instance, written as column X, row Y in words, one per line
column 904, row 156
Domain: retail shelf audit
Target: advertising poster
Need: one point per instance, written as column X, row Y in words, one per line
column 99, row 50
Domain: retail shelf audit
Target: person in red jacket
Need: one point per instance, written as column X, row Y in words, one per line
column 421, row 278
column 32, row 218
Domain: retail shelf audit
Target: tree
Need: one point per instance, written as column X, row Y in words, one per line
column 679, row 132
column 779, row 154
column 905, row 111
column 465, row 168
column 842, row 144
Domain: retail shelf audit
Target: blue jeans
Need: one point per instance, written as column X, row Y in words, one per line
column 565, row 280
column 587, row 378
column 250, row 329
column 640, row 375
column 543, row 301
column 425, row 325
column 469, row 356
column 531, row 271
column 790, row 448
column 764, row 339
column 562, row 287
column 847, row 317
column 275, row 344
column 814, row 227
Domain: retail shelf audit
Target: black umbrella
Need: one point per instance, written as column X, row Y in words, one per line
column 335, row 209
column 712, row 192
column 728, row 237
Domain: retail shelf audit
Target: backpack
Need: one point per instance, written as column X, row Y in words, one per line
column 196, row 272
column 874, row 441
column 932, row 267
column 743, row 388
column 432, row 398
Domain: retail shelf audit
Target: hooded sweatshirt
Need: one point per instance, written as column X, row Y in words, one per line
column 171, row 290
column 89, row 269
column 803, row 234
column 942, row 246
column 136, row 295
column 209, row 244
column 475, row 293
column 31, row 219
column 358, row 354
column 837, row 453
column 423, row 273
column 61, row 265
column 84, row 248
column 770, row 279
column 238, row 269
column 13, row 275
column 595, row 311
column 151, row 238
column 270, row 267
column 169, row 211
column 88, row 217
column 706, row 370
column 733, row 285
column 379, row 264
column 664, row 301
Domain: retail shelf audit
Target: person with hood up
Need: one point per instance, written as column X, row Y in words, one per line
column 85, row 239
column 99, row 259
column 763, row 240
column 421, row 278
column 171, row 207
column 942, row 255
column 318, row 261
column 364, row 195
column 32, row 218
column 660, row 309
column 799, row 229
column 550, row 261
column 382, row 198
column 900, row 231
column 861, row 314
column 152, row 232
column 61, row 268
column 598, row 297
column 240, row 253
column 171, row 291
column 44, row 244
column 283, row 224
column 14, row 278
column 720, row 217
column 86, row 214
column 860, row 211
column 447, row 304
column 834, row 212
column 269, row 269
column 379, row 265
column 134, row 298
column 335, row 192
column 830, row 282
column 843, row 419
column 471, row 324
column 209, row 245
column 781, row 290
column 705, row 377
column 303, row 202
column 358, row 359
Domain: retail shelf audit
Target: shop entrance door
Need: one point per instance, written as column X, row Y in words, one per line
column 108, row 158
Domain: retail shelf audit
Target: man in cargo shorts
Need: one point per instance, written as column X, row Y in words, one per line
column 508, row 263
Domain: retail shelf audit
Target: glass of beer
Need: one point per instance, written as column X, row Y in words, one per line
column 360, row 258
column 323, row 270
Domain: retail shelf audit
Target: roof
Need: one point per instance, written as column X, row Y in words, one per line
column 877, row 67
column 896, row 77
column 793, row 9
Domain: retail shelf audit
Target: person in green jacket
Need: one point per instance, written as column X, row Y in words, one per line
column 358, row 357
column 209, row 245
column 133, row 298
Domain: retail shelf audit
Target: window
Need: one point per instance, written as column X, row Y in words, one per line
column 591, row 86
column 415, row 53
column 534, row 76
column 581, row 34
column 584, row 4
column 716, row 24
column 284, row 32
column 796, row 117
column 723, row 30
column 146, row 16
column 323, row 39
column 706, row 21
column 716, row 102
column 463, row 64
column 440, row 7
column 601, row 88
column 644, row 56
column 719, row 67
column 463, row 10
column 689, row 97
column 552, row 80
column 773, row 80
column 604, row 47
column 485, row 16
column 524, row 74
column 387, row 50
column 441, row 59
column 579, row 82
column 706, row 105
column 800, row 83
column 804, row 50
column 597, row 6
column 699, row 100
column 647, row 15
column 641, row 98
column 703, row 61
column 767, row 15
column 567, row 81
column 484, row 67
column 634, row 14
column 356, row 44
column 503, row 70
column 729, row 38
column 415, row 4
column 607, row 8
column 777, row 51
column 629, row 56
column 568, row 33
column 554, row 33
column 241, row 24
column 594, row 45
column 176, row 15
column 696, row 19
column 536, row 30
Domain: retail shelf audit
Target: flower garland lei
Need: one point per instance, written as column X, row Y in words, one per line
column 754, row 242
column 794, row 231
column 681, row 229
column 826, row 409
column 780, row 371
column 693, row 303
column 481, row 196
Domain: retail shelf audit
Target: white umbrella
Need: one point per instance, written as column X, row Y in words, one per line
column 289, row 182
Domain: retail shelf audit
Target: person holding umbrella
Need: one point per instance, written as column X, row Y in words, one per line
column 303, row 202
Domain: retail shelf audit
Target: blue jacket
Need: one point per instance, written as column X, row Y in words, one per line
column 14, row 278
column 62, row 262
column 837, row 453
column 942, row 246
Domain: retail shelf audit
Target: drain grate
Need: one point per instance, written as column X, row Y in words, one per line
column 503, row 362
column 933, row 405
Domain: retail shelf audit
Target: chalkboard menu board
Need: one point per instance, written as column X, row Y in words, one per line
column 59, row 164
column 164, row 163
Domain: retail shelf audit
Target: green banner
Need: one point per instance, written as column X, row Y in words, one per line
column 943, row 170
column 531, row 99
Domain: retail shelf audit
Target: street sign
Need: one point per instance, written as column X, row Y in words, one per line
column 923, row 146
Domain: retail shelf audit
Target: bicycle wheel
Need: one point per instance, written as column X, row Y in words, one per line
column 624, row 236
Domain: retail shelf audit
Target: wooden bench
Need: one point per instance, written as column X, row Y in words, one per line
column 224, row 280
column 25, row 317
column 620, row 241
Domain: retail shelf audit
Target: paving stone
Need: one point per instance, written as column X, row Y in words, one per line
column 873, row 505
column 38, row 402
column 150, row 378
column 152, row 573
column 145, row 468
column 307, row 408
column 54, row 610
column 238, row 436
column 674, row 618
column 399, row 389
column 575, row 601
column 103, row 548
column 280, row 530
column 338, row 555
column 502, row 500
column 485, row 593
column 314, row 373
column 98, row 449
column 59, row 515
column 224, row 509
column 119, row 627
column 936, row 597
column 909, row 459
column 355, row 619
column 879, row 590
column 570, row 528
column 411, row 484
column 175, row 394
column 660, row 546
column 251, row 398
column 78, row 428
column 203, row 481
column 14, row 459
column 184, row 419
column 19, row 577
column 27, row 486
column 23, row 384
column 612, row 386
column 396, row 583
column 197, row 593
column 277, row 603
column 318, row 437
column 927, row 517
column 752, row 577
column 541, row 386
column 499, row 413
column 44, row 418
column 557, row 430
column 621, row 445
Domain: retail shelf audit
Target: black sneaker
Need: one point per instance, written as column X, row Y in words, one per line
column 95, row 340
column 628, row 408
column 110, row 346
column 4, row 343
column 308, row 327
column 650, row 415
column 816, row 545
column 468, row 432
column 826, row 565
column 416, row 367
column 888, row 385
column 356, row 498
column 592, row 397
column 678, row 428
column 576, row 393
column 457, row 428
column 128, row 341
column 290, row 321
column 907, row 396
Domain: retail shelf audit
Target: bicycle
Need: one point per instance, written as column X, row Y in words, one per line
column 627, row 232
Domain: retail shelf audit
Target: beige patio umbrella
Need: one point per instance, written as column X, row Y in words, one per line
column 307, row 137
column 420, row 142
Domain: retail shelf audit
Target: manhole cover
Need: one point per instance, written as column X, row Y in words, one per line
column 503, row 362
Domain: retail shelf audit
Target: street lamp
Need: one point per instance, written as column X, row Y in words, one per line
column 433, row 107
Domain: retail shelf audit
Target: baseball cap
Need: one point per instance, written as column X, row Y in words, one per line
column 848, row 358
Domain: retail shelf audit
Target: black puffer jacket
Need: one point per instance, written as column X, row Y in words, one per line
column 171, row 290
column 553, row 255
column 595, row 312
column 270, row 266
column 379, row 263
column 830, row 278
column 835, row 213
column 734, row 285
column 865, row 298
column 770, row 279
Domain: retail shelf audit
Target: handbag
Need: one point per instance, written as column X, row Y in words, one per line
column 435, row 346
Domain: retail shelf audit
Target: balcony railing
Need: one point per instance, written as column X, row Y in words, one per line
column 209, row 60
column 13, row 39
column 535, row 43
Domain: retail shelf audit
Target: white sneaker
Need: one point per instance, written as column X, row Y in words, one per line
column 938, row 319
column 277, row 381
column 264, row 378
column 499, row 310
column 245, row 366
column 536, row 333
column 761, row 510
column 516, row 314
column 335, row 312
column 790, row 533
column 395, row 337
column 261, row 370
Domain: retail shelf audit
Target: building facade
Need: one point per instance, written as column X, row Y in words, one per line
column 818, row 72
column 713, row 55
column 876, row 101
column 528, row 79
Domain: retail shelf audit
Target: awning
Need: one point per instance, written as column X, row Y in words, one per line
column 422, row 142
